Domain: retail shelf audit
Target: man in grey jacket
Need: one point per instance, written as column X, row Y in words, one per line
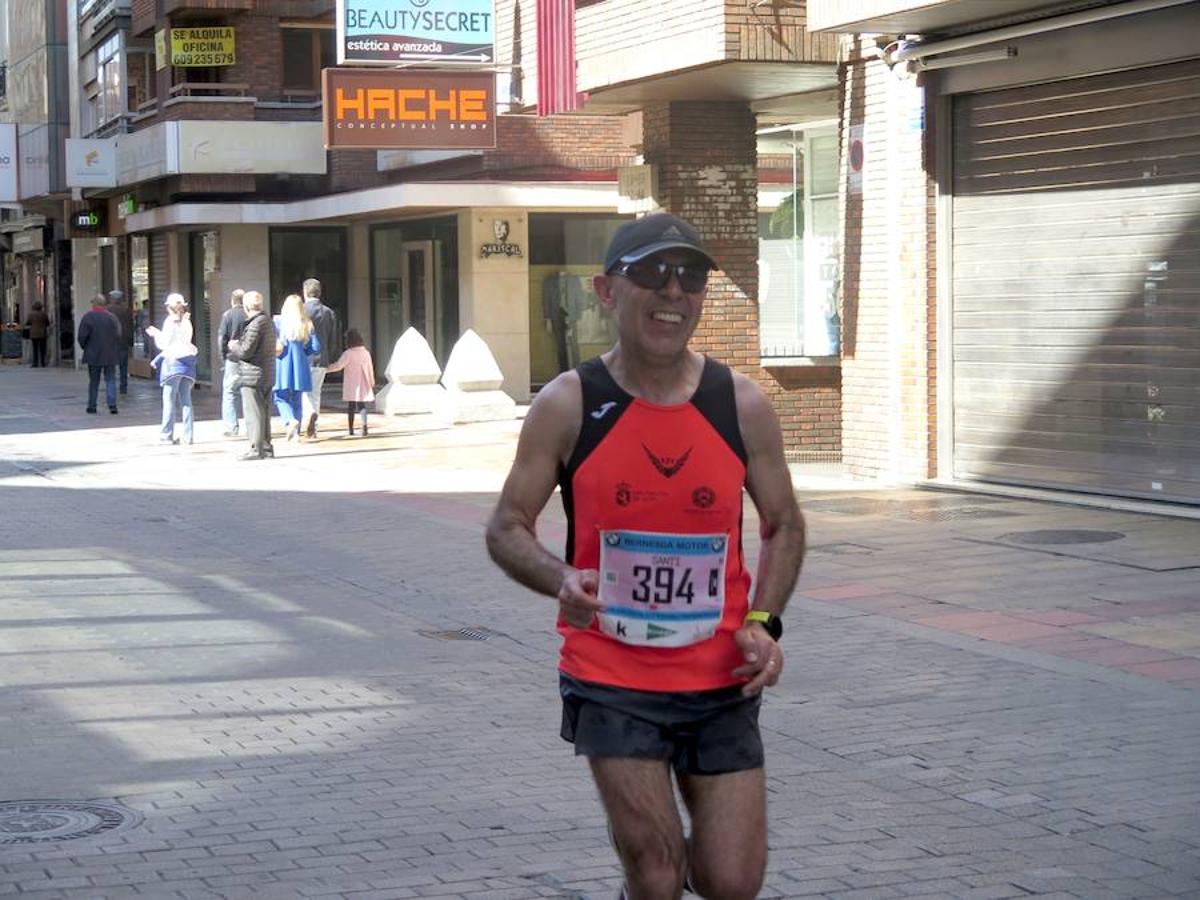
column 254, row 354
column 325, row 324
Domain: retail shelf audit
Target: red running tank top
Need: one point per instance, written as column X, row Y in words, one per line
column 659, row 490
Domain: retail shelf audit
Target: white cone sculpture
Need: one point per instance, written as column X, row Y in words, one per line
column 412, row 375
column 472, row 380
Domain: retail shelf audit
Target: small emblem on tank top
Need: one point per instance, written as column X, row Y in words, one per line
column 603, row 409
column 668, row 466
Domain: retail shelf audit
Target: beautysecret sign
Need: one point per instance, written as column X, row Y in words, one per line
column 428, row 31
column 396, row 109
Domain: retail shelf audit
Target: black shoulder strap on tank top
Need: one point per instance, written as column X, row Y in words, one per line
column 603, row 403
column 715, row 400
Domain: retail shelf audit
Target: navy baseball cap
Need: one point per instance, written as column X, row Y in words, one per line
column 650, row 234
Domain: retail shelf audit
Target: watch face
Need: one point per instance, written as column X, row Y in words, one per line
column 774, row 627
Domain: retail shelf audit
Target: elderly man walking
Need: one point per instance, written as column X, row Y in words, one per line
column 255, row 356
column 100, row 337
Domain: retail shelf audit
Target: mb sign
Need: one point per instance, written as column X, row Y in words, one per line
column 432, row 31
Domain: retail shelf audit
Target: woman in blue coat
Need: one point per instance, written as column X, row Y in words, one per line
column 293, row 376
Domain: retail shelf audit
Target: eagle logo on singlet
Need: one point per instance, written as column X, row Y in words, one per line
column 666, row 466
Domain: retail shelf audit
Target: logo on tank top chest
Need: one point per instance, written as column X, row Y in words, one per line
column 625, row 494
column 668, row 466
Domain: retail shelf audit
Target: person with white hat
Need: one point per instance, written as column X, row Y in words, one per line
column 176, row 364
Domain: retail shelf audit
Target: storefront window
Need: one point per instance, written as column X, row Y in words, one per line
column 414, row 282
column 204, row 250
column 139, row 283
column 798, row 253
column 300, row 253
column 566, row 322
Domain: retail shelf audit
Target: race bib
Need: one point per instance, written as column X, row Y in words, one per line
column 661, row 590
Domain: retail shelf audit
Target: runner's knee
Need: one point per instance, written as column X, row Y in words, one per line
column 729, row 879
column 655, row 863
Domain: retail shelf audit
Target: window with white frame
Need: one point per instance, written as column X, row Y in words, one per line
column 798, row 250
column 103, row 79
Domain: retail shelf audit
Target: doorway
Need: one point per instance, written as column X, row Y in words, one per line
column 418, row 293
column 414, row 282
column 203, row 246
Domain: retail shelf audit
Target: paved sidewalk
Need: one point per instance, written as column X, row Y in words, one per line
column 276, row 669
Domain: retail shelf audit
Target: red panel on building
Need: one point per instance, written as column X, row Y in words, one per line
column 556, row 57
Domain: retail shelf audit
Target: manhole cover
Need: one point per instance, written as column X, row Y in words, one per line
column 41, row 821
column 461, row 634
column 1051, row 536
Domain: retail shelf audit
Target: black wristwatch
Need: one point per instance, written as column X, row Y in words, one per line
column 769, row 621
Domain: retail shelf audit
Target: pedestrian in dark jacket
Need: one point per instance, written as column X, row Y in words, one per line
column 119, row 308
column 325, row 325
column 100, row 337
column 233, row 322
column 38, row 324
column 255, row 355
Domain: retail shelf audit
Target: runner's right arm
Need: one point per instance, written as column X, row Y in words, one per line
column 547, row 439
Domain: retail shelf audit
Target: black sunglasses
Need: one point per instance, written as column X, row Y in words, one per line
column 653, row 273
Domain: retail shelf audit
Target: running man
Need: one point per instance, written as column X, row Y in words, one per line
column 664, row 656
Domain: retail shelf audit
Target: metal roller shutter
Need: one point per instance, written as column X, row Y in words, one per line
column 159, row 277
column 1076, row 284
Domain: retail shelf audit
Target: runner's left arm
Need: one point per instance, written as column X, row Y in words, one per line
column 781, row 528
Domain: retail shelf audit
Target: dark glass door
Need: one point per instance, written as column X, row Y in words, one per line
column 300, row 253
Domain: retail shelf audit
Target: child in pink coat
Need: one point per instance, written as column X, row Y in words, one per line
column 358, row 383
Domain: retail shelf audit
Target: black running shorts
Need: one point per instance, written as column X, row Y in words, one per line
column 698, row 732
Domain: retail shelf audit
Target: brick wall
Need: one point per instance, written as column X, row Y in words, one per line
column 563, row 147
column 259, row 56
column 579, row 142
column 186, row 108
column 619, row 41
column 351, row 170
column 142, row 12
column 888, row 294
column 706, row 159
column 757, row 31
column 210, row 184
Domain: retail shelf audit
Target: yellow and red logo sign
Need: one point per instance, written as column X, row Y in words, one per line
column 395, row 110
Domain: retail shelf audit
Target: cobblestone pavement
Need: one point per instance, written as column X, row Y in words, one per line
column 276, row 667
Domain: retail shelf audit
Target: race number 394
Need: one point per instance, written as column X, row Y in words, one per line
column 668, row 584
column 661, row 589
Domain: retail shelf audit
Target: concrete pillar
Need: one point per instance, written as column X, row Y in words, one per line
column 888, row 272
column 358, row 303
column 494, row 291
